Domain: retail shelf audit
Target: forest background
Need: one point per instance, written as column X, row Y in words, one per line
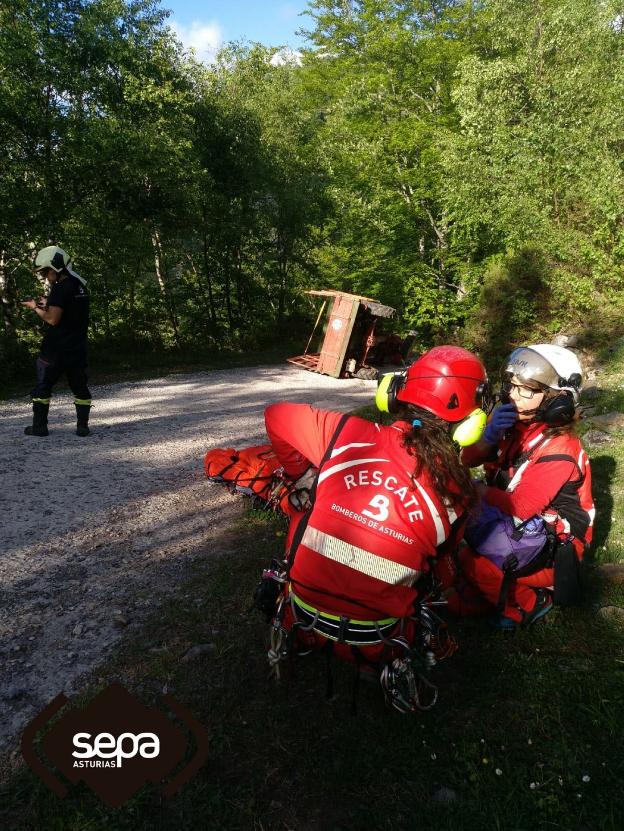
column 460, row 160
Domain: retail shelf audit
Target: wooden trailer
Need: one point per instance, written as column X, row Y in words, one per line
column 346, row 330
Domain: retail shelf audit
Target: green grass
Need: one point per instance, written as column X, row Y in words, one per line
column 521, row 722
column 608, row 465
column 543, row 707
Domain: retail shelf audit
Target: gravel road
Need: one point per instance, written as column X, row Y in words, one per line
column 96, row 530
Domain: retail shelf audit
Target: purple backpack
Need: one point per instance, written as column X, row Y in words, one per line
column 512, row 548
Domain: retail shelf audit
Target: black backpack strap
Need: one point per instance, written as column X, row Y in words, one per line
column 305, row 519
column 517, row 461
column 508, row 567
column 564, row 457
column 569, row 487
column 544, row 559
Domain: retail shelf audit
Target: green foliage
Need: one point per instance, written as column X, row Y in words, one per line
column 513, row 301
column 537, row 160
column 417, row 149
column 382, row 78
column 14, row 357
column 188, row 196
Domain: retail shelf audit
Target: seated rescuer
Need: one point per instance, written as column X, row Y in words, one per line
column 388, row 500
column 64, row 346
column 535, row 466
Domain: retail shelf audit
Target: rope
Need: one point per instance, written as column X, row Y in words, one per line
column 274, row 653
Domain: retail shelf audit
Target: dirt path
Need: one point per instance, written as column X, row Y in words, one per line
column 96, row 530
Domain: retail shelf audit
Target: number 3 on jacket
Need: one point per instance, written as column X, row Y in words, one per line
column 381, row 503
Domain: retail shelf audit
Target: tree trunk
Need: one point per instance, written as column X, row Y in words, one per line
column 6, row 299
column 282, row 260
column 161, row 276
column 238, row 272
column 227, row 290
column 107, row 327
column 440, row 231
column 211, row 303
column 132, row 297
column 202, row 296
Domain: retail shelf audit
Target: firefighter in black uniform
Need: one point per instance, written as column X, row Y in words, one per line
column 65, row 314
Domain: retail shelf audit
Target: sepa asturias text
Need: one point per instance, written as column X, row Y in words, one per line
column 111, row 751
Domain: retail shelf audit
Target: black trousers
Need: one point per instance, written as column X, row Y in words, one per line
column 51, row 367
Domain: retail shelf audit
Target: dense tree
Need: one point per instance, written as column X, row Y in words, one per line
column 454, row 158
column 537, row 162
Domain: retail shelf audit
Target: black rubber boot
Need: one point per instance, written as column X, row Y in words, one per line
column 82, row 417
column 40, row 420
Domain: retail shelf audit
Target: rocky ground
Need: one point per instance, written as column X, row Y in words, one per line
column 96, row 530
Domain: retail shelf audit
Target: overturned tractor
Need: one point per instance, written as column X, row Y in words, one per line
column 351, row 339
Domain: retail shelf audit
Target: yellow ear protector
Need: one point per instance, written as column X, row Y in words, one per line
column 465, row 433
column 470, row 430
column 385, row 397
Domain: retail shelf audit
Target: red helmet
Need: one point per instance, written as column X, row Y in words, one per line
column 448, row 381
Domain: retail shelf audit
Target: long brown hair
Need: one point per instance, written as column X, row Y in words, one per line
column 432, row 448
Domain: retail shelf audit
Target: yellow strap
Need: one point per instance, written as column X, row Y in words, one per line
column 41, row 400
column 85, row 401
column 314, row 611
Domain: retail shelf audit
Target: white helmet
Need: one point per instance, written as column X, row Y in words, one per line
column 551, row 366
column 58, row 260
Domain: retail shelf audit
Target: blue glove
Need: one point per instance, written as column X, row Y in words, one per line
column 503, row 418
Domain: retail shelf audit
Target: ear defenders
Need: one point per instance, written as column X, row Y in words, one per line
column 387, row 389
column 556, row 412
column 466, row 432
column 470, row 430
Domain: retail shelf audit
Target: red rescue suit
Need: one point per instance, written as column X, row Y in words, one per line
column 534, row 475
column 373, row 527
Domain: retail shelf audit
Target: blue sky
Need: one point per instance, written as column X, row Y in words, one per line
column 207, row 24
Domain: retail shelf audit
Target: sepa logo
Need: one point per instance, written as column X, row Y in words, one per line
column 108, row 752
column 115, row 745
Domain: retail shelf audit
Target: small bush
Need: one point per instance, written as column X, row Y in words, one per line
column 15, row 362
column 513, row 304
